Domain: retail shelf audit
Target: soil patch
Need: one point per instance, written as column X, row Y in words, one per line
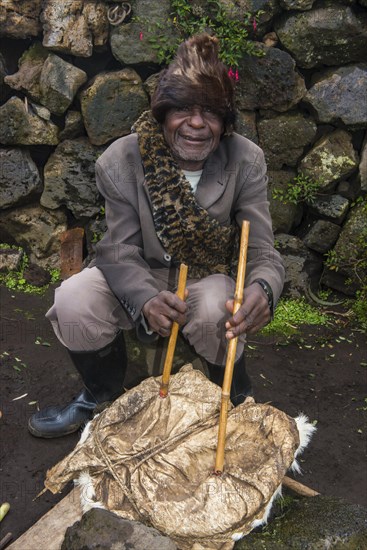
column 321, row 372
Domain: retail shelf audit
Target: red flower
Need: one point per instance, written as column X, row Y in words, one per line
column 233, row 74
column 254, row 24
column 141, row 35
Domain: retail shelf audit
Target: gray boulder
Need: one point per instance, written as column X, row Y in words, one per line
column 284, row 138
column 40, row 110
column 340, row 96
column 69, row 178
column 59, row 83
column 47, row 79
column 20, row 19
column 349, row 272
column 36, row 275
column 302, row 266
column 301, row 5
column 19, row 177
column 316, row 523
column 134, row 42
column 105, row 530
column 237, row 10
column 20, row 125
column 74, row 27
column 10, row 259
column 246, row 125
column 269, row 82
column 74, row 126
column 37, row 230
column 363, row 167
column 27, row 78
column 331, row 34
column 350, row 189
column 322, row 236
column 111, row 104
column 331, row 159
column 331, row 207
column 283, row 215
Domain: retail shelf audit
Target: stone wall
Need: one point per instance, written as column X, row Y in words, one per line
column 72, row 81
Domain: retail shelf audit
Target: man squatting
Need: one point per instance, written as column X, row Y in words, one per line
column 176, row 190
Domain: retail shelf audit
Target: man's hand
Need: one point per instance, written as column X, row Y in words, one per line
column 162, row 310
column 252, row 315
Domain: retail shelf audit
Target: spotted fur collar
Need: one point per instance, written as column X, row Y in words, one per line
column 184, row 228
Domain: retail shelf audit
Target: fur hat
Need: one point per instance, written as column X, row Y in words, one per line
column 196, row 76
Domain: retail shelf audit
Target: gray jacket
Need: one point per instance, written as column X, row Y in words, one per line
column 233, row 186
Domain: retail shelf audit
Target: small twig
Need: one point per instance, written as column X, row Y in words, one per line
column 330, row 312
column 5, row 540
column 261, row 343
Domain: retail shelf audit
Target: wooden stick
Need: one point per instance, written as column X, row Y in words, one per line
column 231, row 353
column 5, row 540
column 298, row 487
column 163, row 391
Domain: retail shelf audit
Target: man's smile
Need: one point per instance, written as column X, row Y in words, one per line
column 196, row 139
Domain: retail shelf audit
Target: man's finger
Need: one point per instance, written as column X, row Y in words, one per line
column 240, row 316
column 175, row 302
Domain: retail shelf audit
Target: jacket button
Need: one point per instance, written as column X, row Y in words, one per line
column 167, row 257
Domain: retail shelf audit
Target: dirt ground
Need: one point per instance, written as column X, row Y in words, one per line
column 322, row 372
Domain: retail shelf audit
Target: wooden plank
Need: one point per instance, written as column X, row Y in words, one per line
column 71, row 253
column 49, row 531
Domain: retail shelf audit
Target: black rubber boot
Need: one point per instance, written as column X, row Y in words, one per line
column 241, row 383
column 103, row 373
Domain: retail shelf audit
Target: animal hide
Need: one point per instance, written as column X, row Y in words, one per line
column 151, row 459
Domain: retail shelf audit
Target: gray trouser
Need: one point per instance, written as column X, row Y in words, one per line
column 86, row 315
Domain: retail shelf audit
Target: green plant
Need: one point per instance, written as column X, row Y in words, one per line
column 55, row 275
column 324, row 294
column 14, row 280
column 332, row 260
column 189, row 19
column 359, row 307
column 290, row 314
column 300, row 189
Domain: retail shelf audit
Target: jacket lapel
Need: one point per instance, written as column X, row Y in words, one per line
column 214, row 179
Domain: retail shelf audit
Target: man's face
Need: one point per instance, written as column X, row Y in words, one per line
column 192, row 133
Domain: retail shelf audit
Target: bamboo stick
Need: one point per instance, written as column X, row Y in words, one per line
column 231, row 353
column 163, row 391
